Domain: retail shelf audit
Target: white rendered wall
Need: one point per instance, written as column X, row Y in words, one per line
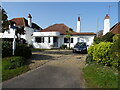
column 28, row 34
column 106, row 26
column 87, row 38
column 44, row 45
column 37, row 34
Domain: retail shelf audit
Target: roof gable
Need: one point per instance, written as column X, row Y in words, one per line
column 23, row 22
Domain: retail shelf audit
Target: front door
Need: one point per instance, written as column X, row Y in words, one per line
column 55, row 41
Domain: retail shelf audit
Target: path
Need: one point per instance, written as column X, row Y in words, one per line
column 64, row 70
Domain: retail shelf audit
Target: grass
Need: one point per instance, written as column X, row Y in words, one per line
column 8, row 74
column 13, row 66
column 98, row 76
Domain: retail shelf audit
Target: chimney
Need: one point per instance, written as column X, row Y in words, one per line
column 106, row 24
column 78, row 25
column 29, row 20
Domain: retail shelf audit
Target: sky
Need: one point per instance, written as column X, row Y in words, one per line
column 45, row 14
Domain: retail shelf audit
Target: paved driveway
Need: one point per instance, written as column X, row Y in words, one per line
column 64, row 70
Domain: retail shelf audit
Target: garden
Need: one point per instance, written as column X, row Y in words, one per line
column 102, row 62
column 17, row 64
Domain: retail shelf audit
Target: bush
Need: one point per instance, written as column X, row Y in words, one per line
column 64, row 46
column 106, row 38
column 13, row 62
column 89, row 59
column 21, row 50
column 115, row 51
column 6, row 49
column 97, row 40
column 100, row 53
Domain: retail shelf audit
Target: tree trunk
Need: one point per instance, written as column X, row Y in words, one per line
column 69, row 43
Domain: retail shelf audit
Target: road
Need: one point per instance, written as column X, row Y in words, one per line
column 63, row 71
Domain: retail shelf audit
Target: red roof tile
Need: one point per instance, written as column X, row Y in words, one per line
column 63, row 30
column 23, row 22
column 116, row 28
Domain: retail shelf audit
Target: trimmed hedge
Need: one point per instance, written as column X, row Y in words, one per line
column 13, row 62
column 21, row 50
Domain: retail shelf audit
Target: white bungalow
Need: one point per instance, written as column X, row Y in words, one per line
column 55, row 36
column 27, row 25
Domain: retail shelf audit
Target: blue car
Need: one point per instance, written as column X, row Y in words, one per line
column 80, row 47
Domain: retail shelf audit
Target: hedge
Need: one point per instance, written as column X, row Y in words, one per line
column 104, row 53
column 21, row 50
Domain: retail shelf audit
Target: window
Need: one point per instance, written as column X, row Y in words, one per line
column 66, row 40
column 39, row 39
column 48, row 39
column 71, row 40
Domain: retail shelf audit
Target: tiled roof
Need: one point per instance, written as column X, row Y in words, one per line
column 23, row 22
column 63, row 30
column 116, row 28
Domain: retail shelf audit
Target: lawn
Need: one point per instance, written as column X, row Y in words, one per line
column 8, row 74
column 13, row 66
column 98, row 76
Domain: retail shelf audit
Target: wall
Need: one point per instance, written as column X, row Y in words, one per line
column 28, row 35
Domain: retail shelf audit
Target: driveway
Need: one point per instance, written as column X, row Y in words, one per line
column 63, row 69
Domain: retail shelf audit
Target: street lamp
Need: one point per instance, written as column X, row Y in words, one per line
column 14, row 43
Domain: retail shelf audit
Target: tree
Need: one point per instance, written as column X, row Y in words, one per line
column 69, row 34
column 4, row 19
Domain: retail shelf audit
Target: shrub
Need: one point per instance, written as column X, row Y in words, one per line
column 12, row 62
column 64, row 46
column 115, row 51
column 108, row 37
column 89, row 59
column 21, row 50
column 101, row 53
column 6, row 49
column 97, row 40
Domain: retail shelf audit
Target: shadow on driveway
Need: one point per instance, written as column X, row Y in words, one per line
column 41, row 57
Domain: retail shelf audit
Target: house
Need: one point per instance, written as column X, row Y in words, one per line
column 54, row 36
column 116, row 28
column 27, row 26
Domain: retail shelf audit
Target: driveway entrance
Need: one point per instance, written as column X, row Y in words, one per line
column 64, row 70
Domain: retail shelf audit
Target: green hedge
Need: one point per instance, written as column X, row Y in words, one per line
column 6, row 49
column 105, row 53
column 21, row 50
column 101, row 53
column 13, row 62
column 108, row 37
